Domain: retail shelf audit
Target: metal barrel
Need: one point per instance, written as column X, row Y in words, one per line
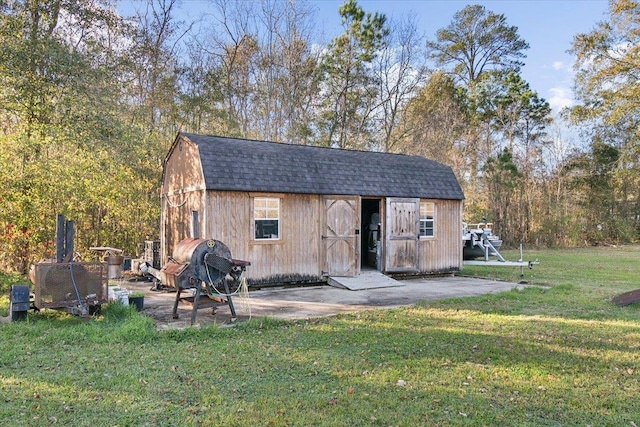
column 193, row 251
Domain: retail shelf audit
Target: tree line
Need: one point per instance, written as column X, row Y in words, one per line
column 91, row 100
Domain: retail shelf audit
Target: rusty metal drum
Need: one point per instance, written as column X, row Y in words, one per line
column 194, row 251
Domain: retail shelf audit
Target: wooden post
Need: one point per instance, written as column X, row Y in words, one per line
column 60, row 237
column 195, row 225
column 68, row 244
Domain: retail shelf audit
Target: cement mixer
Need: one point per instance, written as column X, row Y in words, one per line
column 198, row 262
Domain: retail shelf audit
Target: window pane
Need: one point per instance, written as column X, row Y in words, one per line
column 427, row 222
column 266, row 215
column 266, row 229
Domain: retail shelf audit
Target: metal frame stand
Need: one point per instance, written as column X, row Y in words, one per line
column 196, row 303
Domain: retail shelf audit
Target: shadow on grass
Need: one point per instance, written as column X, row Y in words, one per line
column 559, row 356
column 412, row 366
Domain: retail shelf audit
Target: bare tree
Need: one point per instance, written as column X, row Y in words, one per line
column 232, row 48
column 154, row 56
column 400, row 70
column 286, row 73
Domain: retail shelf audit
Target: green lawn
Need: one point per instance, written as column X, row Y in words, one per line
column 554, row 355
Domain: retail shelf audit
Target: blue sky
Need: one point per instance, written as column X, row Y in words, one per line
column 547, row 25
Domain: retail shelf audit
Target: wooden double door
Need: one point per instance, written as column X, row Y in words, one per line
column 341, row 235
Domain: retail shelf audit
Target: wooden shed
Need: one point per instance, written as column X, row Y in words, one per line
column 303, row 213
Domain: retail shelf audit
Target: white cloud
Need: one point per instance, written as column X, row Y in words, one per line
column 558, row 65
column 561, row 97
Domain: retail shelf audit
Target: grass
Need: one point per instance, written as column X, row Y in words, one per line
column 558, row 355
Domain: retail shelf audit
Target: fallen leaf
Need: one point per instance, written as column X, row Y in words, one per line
column 401, row 383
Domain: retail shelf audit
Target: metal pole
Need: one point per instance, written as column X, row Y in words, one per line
column 520, row 252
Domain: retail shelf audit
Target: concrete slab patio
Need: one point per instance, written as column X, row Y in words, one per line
column 314, row 301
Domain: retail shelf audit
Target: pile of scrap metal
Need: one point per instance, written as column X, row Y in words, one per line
column 198, row 262
column 63, row 283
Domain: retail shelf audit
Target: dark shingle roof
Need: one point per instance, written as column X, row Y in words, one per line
column 247, row 165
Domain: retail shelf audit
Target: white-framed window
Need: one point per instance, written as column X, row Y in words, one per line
column 427, row 219
column 266, row 218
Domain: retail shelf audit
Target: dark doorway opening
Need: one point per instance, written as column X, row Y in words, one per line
column 371, row 228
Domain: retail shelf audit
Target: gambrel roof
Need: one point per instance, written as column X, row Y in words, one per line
column 259, row 166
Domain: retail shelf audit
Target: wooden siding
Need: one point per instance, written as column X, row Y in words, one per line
column 182, row 193
column 443, row 252
column 298, row 255
column 176, row 220
column 295, row 256
column 183, row 170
